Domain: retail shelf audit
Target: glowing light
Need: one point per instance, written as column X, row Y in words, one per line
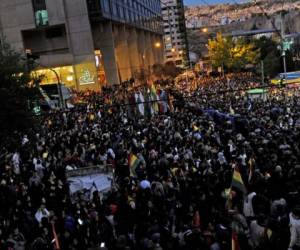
column 157, row 45
column 70, row 78
column 205, row 30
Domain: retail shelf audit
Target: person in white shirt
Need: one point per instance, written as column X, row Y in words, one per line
column 295, row 229
column 41, row 213
column 248, row 207
column 16, row 163
column 39, row 168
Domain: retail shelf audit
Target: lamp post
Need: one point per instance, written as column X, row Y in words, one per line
column 157, row 45
column 30, row 55
column 59, row 89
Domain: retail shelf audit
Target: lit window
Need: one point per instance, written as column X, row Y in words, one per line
column 40, row 12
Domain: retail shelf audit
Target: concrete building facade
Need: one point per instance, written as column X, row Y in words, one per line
column 175, row 36
column 88, row 42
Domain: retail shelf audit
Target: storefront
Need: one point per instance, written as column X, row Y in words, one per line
column 47, row 76
column 89, row 74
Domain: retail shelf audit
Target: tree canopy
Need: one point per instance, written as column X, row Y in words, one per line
column 232, row 54
column 17, row 95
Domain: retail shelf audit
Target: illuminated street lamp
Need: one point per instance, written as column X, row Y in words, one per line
column 157, row 45
column 205, row 30
column 173, row 50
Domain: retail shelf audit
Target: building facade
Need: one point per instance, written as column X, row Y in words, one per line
column 175, row 36
column 89, row 43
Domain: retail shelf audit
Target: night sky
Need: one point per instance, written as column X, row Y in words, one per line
column 198, row 2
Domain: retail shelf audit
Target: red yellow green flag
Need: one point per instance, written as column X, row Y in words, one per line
column 251, row 163
column 237, row 181
column 154, row 98
column 133, row 163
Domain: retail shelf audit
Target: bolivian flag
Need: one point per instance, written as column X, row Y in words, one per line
column 133, row 162
column 237, row 181
column 154, row 97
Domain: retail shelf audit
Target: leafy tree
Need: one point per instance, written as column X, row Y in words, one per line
column 170, row 69
column 17, row 95
column 158, row 70
column 219, row 50
column 233, row 55
column 270, row 55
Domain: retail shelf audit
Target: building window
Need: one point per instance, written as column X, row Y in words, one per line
column 41, row 18
column 40, row 12
column 54, row 32
column 105, row 5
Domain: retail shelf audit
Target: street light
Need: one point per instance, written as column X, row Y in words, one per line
column 205, row 30
column 157, row 45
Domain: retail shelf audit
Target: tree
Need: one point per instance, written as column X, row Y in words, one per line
column 234, row 55
column 17, row 95
column 218, row 50
column 158, row 70
column 269, row 54
column 170, row 70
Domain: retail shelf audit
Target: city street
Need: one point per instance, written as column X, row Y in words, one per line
column 115, row 134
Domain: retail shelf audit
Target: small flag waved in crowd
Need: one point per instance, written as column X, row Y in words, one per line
column 251, row 163
column 237, row 181
column 154, row 98
column 133, row 162
column 55, row 240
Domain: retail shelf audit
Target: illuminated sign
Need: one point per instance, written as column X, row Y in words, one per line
column 86, row 77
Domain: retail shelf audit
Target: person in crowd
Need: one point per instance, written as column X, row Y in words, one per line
column 173, row 165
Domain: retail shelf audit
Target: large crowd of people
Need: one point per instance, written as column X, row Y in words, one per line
column 173, row 173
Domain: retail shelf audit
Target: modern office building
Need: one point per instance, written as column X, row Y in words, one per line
column 175, row 36
column 87, row 42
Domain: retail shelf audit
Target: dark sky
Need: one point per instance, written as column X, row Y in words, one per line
column 198, row 2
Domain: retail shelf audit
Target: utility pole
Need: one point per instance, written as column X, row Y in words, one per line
column 262, row 73
column 59, row 89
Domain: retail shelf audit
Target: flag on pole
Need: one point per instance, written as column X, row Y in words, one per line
column 133, row 162
column 154, row 97
column 237, row 181
column 55, row 240
column 251, row 163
